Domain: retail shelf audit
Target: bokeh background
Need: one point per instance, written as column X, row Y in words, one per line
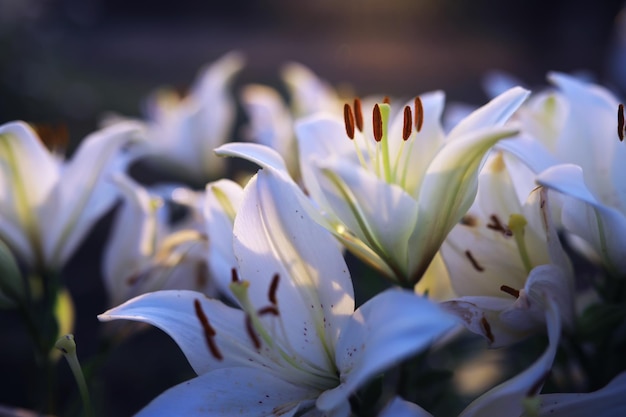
column 66, row 62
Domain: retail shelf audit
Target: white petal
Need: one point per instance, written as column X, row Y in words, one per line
column 261, row 155
column 310, row 93
column 274, row 235
column 493, row 114
column 220, row 217
column 85, row 193
column 448, row 190
column 370, row 208
column 173, row 312
column 131, row 241
column 230, row 392
column 399, row 407
column 28, row 177
column 320, row 137
column 605, row 402
column 602, row 226
column 506, row 398
column 385, row 330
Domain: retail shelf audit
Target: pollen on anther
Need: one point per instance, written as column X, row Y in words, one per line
column 377, row 119
column 209, row 332
column 419, row 114
column 408, row 123
column 358, row 114
column 620, row 122
column 273, row 288
column 348, row 118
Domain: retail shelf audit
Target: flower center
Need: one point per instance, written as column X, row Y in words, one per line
column 375, row 155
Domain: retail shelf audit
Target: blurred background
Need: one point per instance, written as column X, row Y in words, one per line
column 68, row 61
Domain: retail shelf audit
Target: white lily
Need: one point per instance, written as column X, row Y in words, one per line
column 185, row 130
column 147, row 252
column 47, row 206
column 577, row 152
column 501, row 250
column 296, row 344
column 271, row 119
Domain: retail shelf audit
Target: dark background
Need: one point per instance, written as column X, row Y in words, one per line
column 68, row 61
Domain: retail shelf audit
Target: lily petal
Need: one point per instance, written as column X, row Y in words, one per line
column 261, row 155
column 385, row 330
column 605, row 402
column 233, row 391
column 447, row 192
column 274, row 235
column 399, row 407
column 506, row 398
column 27, row 179
column 85, row 195
column 493, row 114
column 602, row 226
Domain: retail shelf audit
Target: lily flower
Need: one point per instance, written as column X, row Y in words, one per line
column 145, row 252
column 47, row 206
column 272, row 120
column 408, row 170
column 295, row 344
column 184, row 130
column 501, row 250
column 577, row 152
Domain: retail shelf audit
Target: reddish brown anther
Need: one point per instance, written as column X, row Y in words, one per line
column 497, row 225
column 377, row 119
column 487, row 328
column 234, row 276
column 273, row 310
column 407, row 128
column 209, row 332
column 419, row 114
column 348, row 118
column 620, row 122
column 510, row 291
column 386, row 100
column 473, row 261
column 358, row 114
column 273, row 288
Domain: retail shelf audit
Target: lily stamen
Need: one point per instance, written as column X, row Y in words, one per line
column 348, row 119
column 419, row 114
column 358, row 114
column 620, row 122
column 209, row 331
column 474, row 262
column 496, row 225
column 509, row 290
column 271, row 295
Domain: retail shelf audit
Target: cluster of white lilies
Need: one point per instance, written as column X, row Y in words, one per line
column 508, row 221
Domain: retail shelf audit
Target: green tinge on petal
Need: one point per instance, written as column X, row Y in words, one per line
column 448, row 191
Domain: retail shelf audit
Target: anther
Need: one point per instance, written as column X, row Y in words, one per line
column 358, row 114
column 419, row 114
column 377, row 119
column 620, row 122
column 273, row 310
column 273, row 288
column 386, row 100
column 408, row 123
column 497, row 225
column 253, row 336
column 234, row 276
column 487, row 328
column 348, row 118
column 209, row 332
column 473, row 261
column 509, row 290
